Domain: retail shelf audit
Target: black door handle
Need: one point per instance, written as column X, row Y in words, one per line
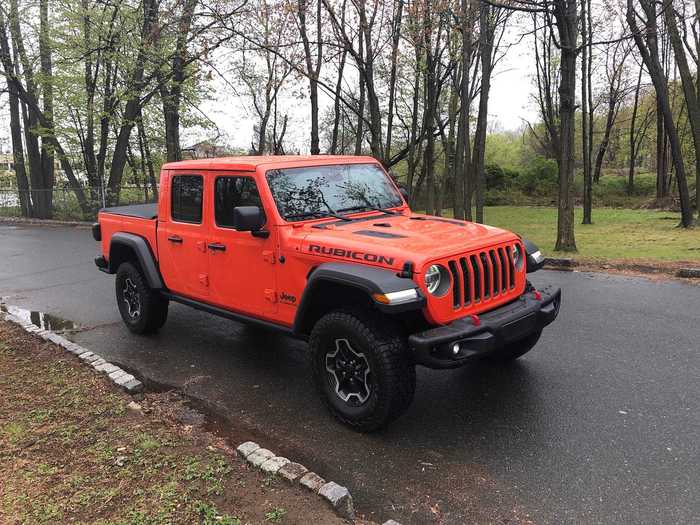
column 217, row 246
column 175, row 239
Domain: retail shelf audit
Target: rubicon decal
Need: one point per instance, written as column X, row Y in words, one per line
column 350, row 254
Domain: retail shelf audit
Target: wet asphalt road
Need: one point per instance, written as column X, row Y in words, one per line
column 599, row 424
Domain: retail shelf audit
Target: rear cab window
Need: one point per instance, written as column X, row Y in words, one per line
column 186, row 196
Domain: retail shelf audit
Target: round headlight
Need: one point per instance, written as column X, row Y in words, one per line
column 437, row 280
column 518, row 257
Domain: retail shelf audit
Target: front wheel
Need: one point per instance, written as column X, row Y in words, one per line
column 362, row 369
column 143, row 310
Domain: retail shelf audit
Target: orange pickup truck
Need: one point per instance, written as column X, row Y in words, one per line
column 326, row 249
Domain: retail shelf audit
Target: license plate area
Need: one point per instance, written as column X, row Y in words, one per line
column 519, row 328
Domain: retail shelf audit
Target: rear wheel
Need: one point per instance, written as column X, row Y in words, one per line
column 143, row 309
column 516, row 349
column 362, row 369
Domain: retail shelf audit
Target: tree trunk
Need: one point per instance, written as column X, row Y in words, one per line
column 47, row 151
column 486, row 34
column 602, row 148
column 15, row 124
column 396, row 34
column 360, row 107
column 632, row 141
column 565, row 13
column 688, row 83
column 31, row 124
column 462, row 161
column 587, row 179
column 313, row 71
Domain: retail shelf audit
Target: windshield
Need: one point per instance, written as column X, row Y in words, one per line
column 317, row 191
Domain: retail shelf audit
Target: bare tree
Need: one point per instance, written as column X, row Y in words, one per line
column 636, row 132
column 616, row 56
column 647, row 42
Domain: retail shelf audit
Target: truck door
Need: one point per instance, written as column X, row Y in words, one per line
column 182, row 238
column 241, row 265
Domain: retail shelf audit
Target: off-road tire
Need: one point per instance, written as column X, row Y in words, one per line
column 392, row 376
column 516, row 349
column 152, row 311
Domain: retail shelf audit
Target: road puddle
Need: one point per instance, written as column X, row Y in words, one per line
column 40, row 319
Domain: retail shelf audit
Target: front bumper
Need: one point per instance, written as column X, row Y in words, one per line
column 514, row 321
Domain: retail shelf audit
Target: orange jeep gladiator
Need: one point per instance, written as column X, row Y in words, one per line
column 326, row 249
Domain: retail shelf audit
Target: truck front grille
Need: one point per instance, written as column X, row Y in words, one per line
column 482, row 276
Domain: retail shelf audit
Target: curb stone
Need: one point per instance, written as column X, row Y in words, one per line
column 336, row 495
column 259, row 457
column 272, row 465
column 560, row 263
column 118, row 376
column 339, row 498
column 689, row 273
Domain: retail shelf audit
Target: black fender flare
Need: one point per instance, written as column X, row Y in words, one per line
column 367, row 279
column 144, row 255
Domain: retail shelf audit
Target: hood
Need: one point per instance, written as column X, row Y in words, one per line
column 391, row 241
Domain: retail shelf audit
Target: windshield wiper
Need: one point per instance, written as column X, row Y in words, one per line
column 369, row 207
column 318, row 214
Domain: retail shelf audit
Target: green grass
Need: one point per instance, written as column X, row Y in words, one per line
column 616, row 234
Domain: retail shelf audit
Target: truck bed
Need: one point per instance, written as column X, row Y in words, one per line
column 142, row 211
column 137, row 219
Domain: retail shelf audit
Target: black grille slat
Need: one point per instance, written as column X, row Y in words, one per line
column 496, row 273
column 456, row 285
column 511, row 265
column 487, row 274
column 504, row 270
column 466, row 279
column 477, row 278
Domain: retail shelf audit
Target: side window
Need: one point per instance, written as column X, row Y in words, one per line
column 230, row 192
column 186, row 194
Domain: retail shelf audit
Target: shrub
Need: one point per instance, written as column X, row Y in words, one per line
column 540, row 177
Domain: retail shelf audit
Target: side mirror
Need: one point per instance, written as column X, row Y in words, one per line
column 248, row 218
column 534, row 258
column 404, row 193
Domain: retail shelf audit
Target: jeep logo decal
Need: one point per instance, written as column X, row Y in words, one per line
column 287, row 298
column 349, row 254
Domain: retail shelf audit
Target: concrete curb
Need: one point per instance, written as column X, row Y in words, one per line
column 119, row 377
column 689, row 273
column 559, row 263
column 44, row 222
column 336, row 495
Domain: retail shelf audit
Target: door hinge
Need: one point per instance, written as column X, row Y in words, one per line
column 271, row 295
column 269, row 256
column 204, row 279
column 201, row 246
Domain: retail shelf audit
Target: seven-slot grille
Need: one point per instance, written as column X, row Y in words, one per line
column 482, row 276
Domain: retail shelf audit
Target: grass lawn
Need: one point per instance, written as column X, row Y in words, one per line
column 73, row 451
column 616, row 234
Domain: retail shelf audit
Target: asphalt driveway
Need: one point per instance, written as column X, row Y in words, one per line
column 599, row 424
